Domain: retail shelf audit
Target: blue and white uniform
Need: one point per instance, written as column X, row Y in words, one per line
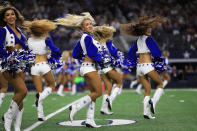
column 9, row 39
column 40, row 46
column 144, row 44
column 110, row 50
column 90, row 47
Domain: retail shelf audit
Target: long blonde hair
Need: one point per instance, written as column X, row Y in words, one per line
column 139, row 27
column 75, row 20
column 103, row 33
column 39, row 27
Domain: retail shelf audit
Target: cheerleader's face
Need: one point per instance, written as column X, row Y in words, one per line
column 10, row 17
column 87, row 26
column 148, row 31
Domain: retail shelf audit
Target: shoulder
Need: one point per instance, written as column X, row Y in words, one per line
column 2, row 30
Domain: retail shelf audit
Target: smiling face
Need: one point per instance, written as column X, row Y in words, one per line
column 87, row 26
column 148, row 31
column 10, row 17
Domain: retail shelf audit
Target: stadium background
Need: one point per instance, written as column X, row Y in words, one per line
column 178, row 35
column 176, row 110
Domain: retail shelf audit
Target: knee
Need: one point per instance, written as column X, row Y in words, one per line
column 24, row 92
column 147, row 90
column 99, row 93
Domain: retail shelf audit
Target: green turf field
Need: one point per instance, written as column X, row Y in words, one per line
column 176, row 111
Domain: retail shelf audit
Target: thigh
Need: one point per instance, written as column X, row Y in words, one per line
column 37, row 83
column 60, row 78
column 49, row 78
column 145, row 82
column 93, row 81
column 115, row 76
column 155, row 76
column 3, row 83
column 17, row 82
column 107, row 82
column 166, row 76
column 22, row 75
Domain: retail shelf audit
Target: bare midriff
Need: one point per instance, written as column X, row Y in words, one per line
column 144, row 58
column 41, row 58
column 88, row 59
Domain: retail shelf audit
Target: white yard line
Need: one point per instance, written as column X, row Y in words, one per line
column 38, row 123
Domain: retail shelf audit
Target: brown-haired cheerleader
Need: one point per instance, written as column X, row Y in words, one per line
column 12, row 40
column 39, row 43
column 146, row 48
column 108, row 74
column 87, row 50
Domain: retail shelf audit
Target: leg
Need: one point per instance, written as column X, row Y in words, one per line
column 93, row 81
column 62, row 79
column 108, row 88
column 166, row 77
column 117, row 78
column 20, row 92
column 145, row 83
column 159, row 91
column 4, row 87
column 73, row 85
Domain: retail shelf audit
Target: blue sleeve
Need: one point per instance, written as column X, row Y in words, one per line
column 112, row 49
column 154, row 49
column 132, row 52
column 92, row 50
column 51, row 45
column 77, row 52
column 2, row 40
column 55, row 52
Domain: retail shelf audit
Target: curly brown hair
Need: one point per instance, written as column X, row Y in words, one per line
column 140, row 26
column 7, row 6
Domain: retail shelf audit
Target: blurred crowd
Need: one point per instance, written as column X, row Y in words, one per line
column 180, row 30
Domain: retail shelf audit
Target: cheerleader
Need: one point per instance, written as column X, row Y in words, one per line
column 39, row 43
column 108, row 74
column 146, row 48
column 165, row 74
column 63, row 75
column 87, row 50
column 12, row 41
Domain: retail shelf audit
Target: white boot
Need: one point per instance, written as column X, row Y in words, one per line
column 73, row 89
column 78, row 106
column 60, row 90
column 10, row 115
column 2, row 96
column 104, row 109
column 112, row 97
column 18, row 121
column 138, row 89
column 147, row 114
column 40, row 112
column 155, row 99
column 46, row 92
column 120, row 90
column 133, row 83
column 90, row 116
column 165, row 82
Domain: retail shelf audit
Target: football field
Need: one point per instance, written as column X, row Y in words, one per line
column 176, row 111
